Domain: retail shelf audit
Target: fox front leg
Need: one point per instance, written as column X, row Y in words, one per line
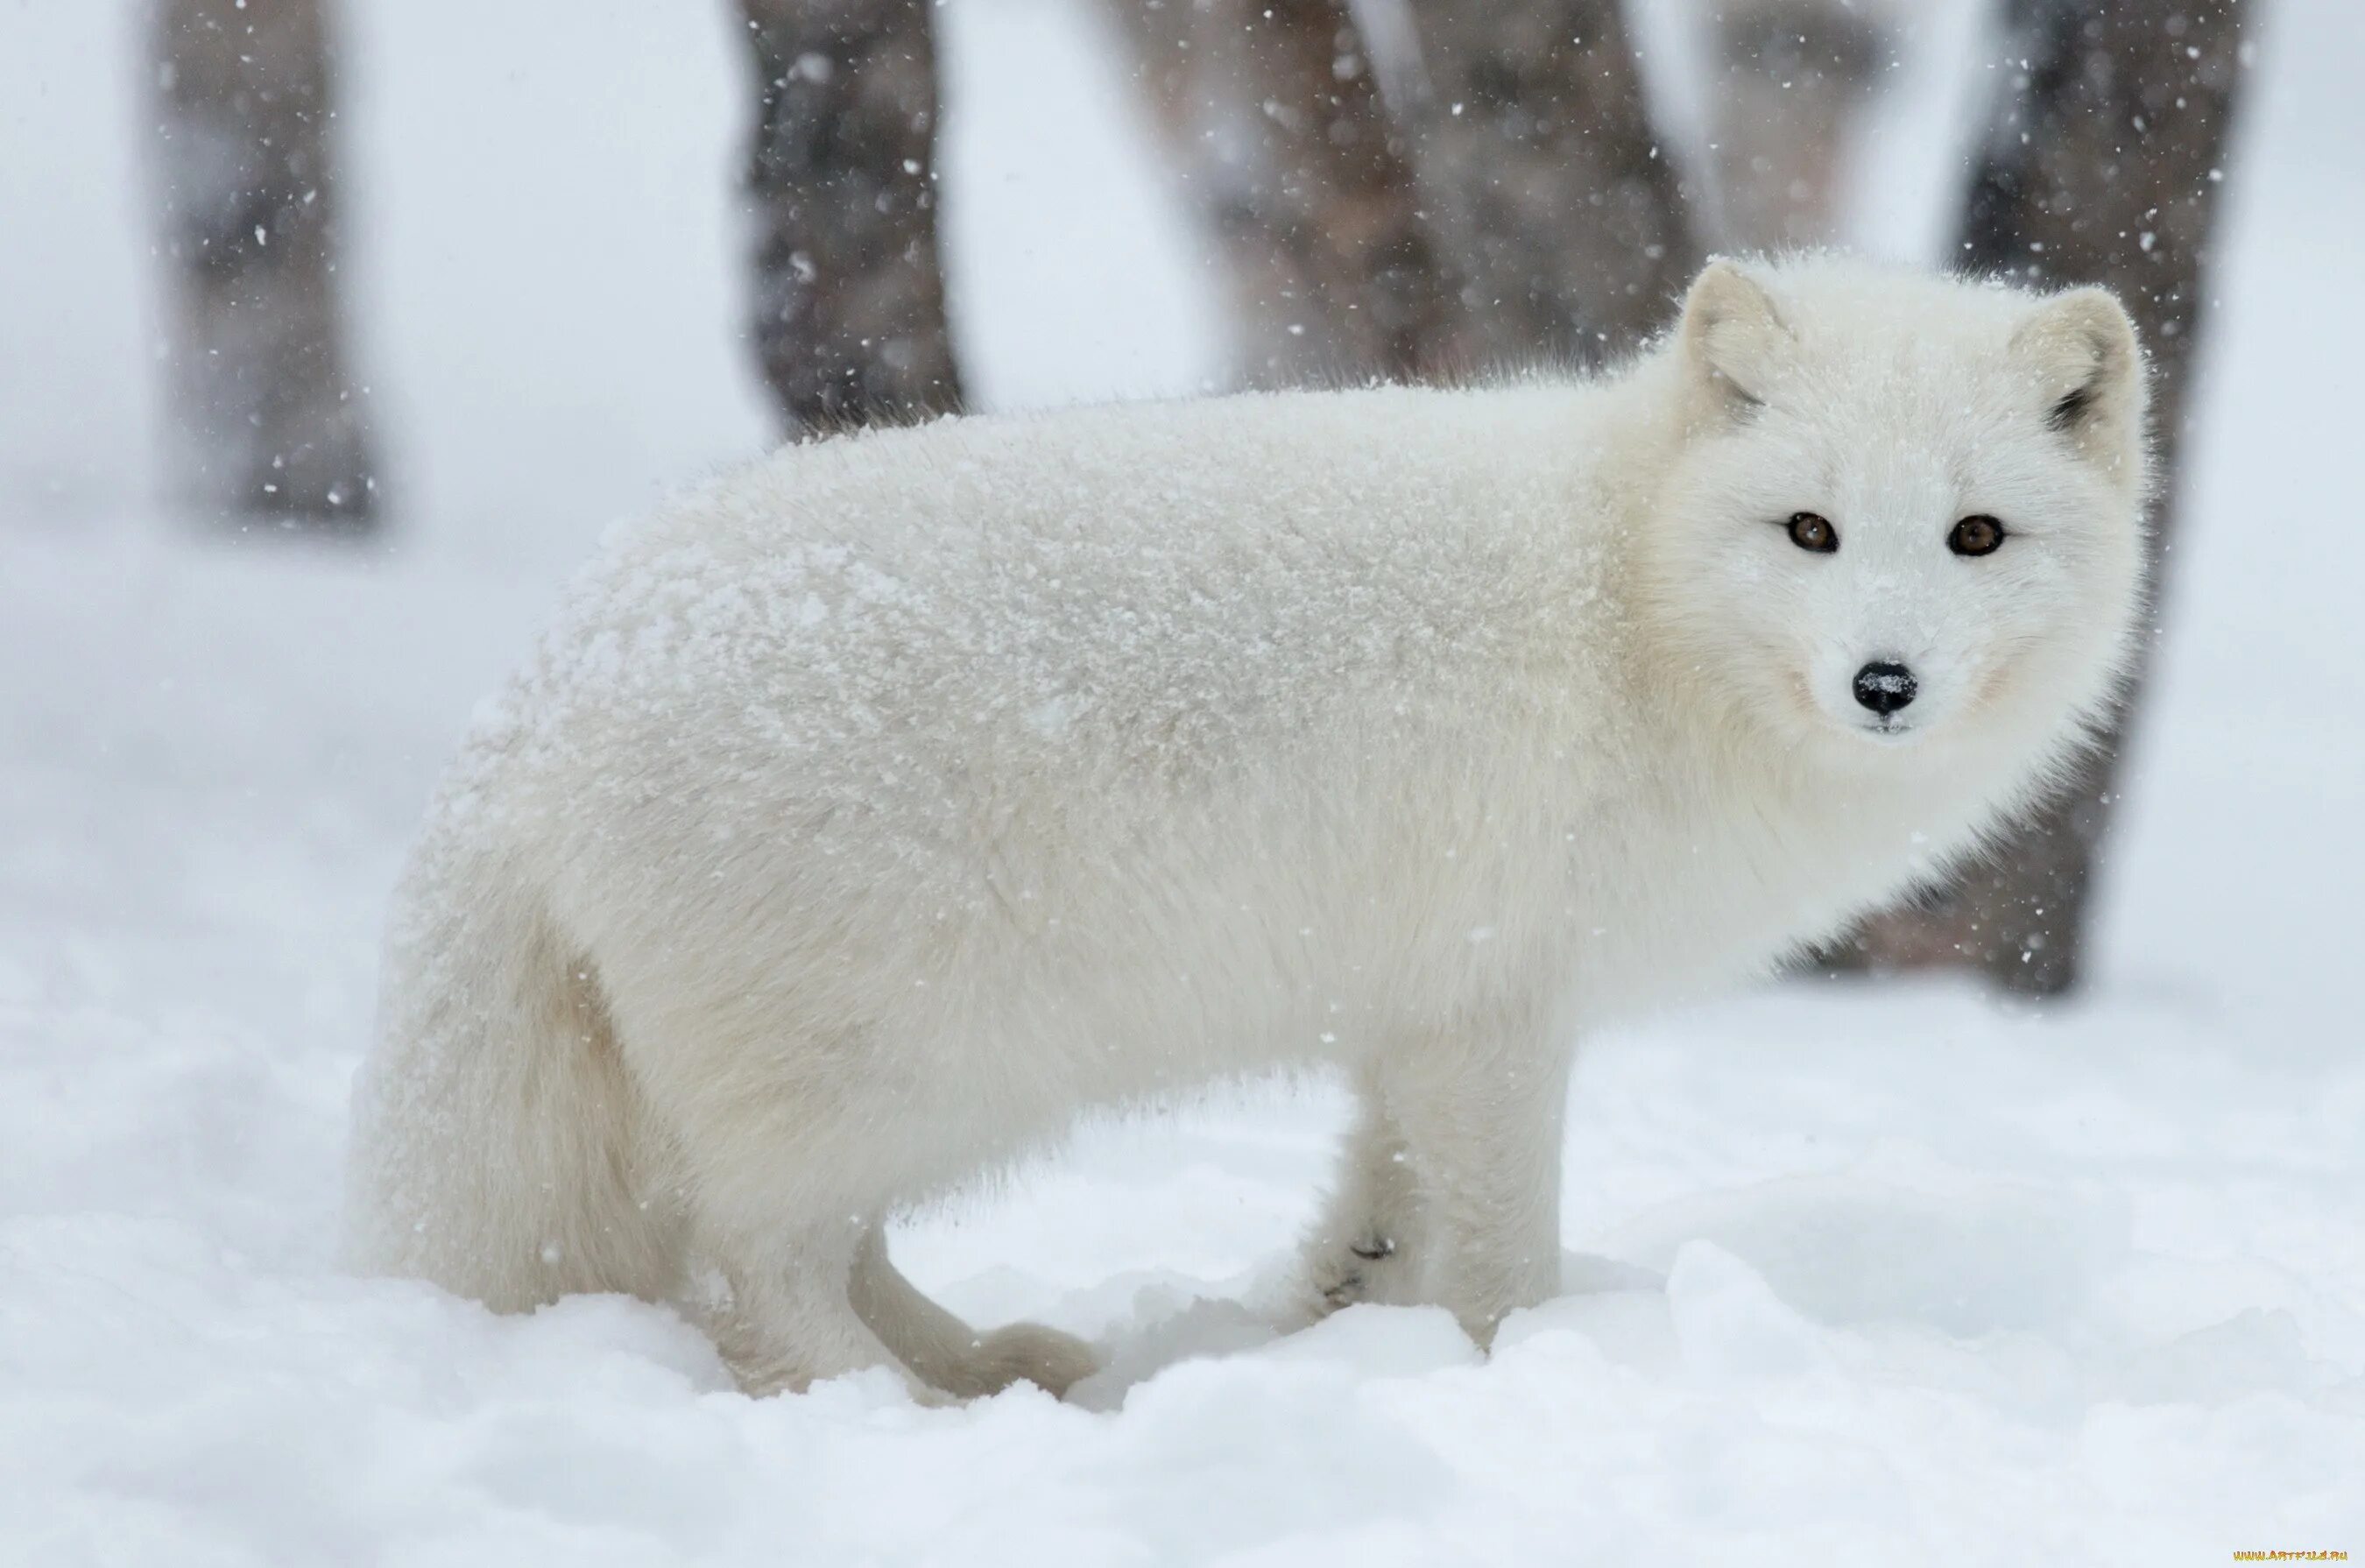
column 1481, row 1123
column 1365, row 1246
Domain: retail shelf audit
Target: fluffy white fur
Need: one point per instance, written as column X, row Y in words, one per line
column 876, row 810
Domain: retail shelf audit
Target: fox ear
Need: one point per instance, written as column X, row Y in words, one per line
column 1731, row 336
column 2081, row 348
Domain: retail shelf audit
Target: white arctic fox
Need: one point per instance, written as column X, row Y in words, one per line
column 878, row 807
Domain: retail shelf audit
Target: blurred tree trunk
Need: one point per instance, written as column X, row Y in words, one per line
column 1554, row 203
column 2103, row 164
column 1274, row 124
column 849, row 300
column 1422, row 189
column 268, row 419
column 1793, row 79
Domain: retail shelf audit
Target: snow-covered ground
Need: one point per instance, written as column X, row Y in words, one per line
column 1859, row 1275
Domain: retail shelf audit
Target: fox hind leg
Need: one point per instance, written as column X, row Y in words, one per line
column 780, row 1310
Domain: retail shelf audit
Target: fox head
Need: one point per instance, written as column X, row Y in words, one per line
column 1904, row 522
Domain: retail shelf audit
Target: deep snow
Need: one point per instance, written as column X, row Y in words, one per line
column 1870, row 1275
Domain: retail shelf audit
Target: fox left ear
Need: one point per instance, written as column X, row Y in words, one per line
column 1732, row 337
column 2089, row 366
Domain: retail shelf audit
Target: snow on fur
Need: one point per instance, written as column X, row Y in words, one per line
column 883, row 808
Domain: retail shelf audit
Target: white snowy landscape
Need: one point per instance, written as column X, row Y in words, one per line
column 1858, row 1274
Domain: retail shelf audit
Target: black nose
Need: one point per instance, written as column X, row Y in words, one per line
column 1884, row 688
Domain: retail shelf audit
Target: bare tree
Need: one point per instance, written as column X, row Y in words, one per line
column 1275, row 125
column 1559, row 212
column 849, row 302
column 2104, row 163
column 269, row 421
column 1421, row 189
column 1793, row 79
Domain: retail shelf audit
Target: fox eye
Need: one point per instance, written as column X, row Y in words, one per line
column 1811, row 530
column 1976, row 535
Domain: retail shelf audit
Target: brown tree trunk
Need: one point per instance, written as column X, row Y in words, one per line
column 1793, row 79
column 2104, row 164
column 1496, row 195
column 1275, row 126
column 1556, row 205
column 850, row 299
column 269, row 421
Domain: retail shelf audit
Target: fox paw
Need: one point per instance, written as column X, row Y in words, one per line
column 1028, row 1352
column 1363, row 1270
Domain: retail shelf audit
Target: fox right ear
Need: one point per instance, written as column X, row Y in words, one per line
column 1731, row 336
column 2081, row 348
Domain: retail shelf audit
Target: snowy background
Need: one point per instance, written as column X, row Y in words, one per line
column 1868, row 1275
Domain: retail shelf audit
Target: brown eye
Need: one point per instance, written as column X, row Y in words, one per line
column 1809, row 531
column 1975, row 536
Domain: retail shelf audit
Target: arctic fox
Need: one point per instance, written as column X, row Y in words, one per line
column 876, row 810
